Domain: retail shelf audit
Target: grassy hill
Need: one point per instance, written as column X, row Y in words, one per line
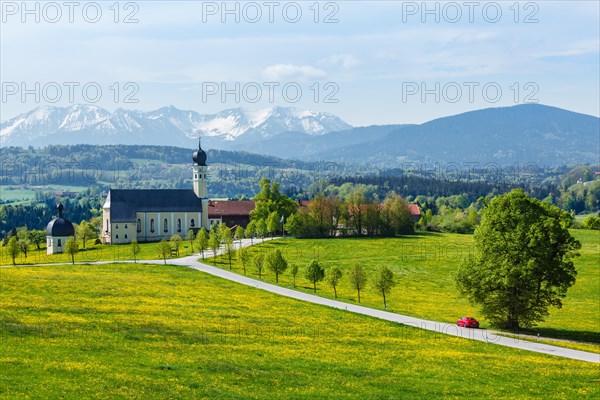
column 424, row 266
column 139, row 331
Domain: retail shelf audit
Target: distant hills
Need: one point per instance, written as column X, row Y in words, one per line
column 529, row 133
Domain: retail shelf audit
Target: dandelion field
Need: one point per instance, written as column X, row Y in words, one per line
column 155, row 331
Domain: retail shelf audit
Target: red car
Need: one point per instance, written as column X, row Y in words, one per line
column 468, row 322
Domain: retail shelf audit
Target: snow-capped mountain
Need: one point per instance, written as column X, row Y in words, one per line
column 88, row 124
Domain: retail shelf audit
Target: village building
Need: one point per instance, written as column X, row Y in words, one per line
column 231, row 213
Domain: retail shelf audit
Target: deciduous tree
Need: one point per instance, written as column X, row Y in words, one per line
column 272, row 222
column 176, row 243
column 259, row 264
column 239, row 234
column 23, row 238
column 261, row 228
column 276, row 263
column 334, row 275
column 294, row 272
column 13, row 250
column 269, row 200
column 522, row 262
column 250, row 231
column 244, row 256
column 384, row 282
column 202, row 240
column 229, row 247
column 72, row 248
column 85, row 232
column 315, row 273
column 358, row 278
column 190, row 238
column 135, row 249
column 164, row 249
column 214, row 242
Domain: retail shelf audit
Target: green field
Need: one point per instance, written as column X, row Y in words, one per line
column 140, row 331
column 17, row 195
column 424, row 266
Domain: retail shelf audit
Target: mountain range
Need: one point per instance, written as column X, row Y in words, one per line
column 89, row 124
column 527, row 133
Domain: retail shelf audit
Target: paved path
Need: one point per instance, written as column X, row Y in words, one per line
column 441, row 327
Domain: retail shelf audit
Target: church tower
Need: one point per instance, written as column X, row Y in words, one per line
column 200, row 168
column 200, row 180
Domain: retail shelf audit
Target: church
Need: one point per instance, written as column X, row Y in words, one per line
column 149, row 215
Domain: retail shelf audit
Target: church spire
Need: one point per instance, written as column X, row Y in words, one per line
column 199, row 156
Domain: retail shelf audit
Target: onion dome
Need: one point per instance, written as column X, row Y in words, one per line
column 199, row 155
column 60, row 226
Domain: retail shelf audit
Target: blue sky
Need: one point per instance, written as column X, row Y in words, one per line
column 373, row 63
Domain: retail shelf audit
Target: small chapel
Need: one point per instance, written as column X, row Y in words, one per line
column 58, row 231
column 148, row 215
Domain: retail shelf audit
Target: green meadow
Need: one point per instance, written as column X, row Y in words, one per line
column 153, row 331
column 424, row 266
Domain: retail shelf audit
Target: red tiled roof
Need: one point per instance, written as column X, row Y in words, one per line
column 234, row 207
column 414, row 209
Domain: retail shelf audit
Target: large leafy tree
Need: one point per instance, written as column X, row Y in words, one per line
column 396, row 215
column 272, row 222
column 356, row 210
column 522, row 261
column 269, row 200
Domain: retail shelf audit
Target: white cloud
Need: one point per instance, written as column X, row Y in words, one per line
column 576, row 49
column 279, row 72
column 345, row 61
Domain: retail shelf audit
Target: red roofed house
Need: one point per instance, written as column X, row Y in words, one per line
column 232, row 213
column 415, row 211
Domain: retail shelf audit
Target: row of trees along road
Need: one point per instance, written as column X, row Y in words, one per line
column 274, row 261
